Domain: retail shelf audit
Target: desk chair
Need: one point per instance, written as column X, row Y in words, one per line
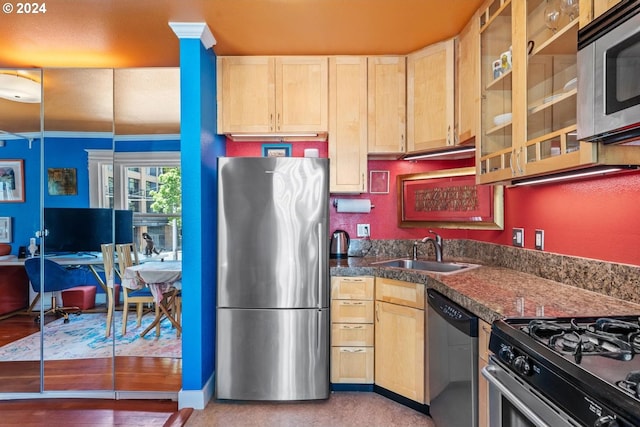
column 128, row 256
column 56, row 278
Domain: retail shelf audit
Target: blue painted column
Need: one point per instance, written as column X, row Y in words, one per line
column 200, row 147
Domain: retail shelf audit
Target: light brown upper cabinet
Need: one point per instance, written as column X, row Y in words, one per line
column 494, row 149
column 387, row 92
column 591, row 9
column 467, row 83
column 529, row 107
column 348, row 124
column 430, row 97
column 273, row 95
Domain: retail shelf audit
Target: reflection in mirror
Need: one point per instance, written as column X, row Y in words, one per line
column 78, row 118
column 146, row 182
column 20, row 138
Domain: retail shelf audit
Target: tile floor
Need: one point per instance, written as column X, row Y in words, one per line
column 342, row 409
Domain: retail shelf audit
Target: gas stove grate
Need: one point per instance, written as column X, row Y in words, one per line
column 606, row 337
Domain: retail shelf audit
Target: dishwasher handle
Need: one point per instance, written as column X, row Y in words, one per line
column 463, row 320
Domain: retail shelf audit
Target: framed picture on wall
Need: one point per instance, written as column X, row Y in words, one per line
column 276, row 150
column 62, row 181
column 11, row 180
column 379, row 182
column 5, row 229
column 449, row 198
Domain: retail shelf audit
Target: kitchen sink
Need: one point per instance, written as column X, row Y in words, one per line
column 429, row 266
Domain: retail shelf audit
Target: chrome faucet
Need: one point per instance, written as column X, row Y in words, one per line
column 437, row 245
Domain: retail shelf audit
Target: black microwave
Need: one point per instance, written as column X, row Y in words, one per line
column 609, row 77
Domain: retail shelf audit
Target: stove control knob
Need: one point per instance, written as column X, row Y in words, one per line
column 522, row 365
column 606, row 421
column 506, row 354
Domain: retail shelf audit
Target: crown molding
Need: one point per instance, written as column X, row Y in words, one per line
column 194, row 30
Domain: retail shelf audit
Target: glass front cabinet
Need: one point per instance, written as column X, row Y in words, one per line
column 528, row 91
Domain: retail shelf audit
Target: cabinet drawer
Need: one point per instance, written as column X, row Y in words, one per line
column 484, row 330
column 352, row 288
column 347, row 311
column 401, row 293
column 352, row 365
column 351, row 334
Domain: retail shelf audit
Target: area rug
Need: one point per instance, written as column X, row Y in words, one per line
column 84, row 338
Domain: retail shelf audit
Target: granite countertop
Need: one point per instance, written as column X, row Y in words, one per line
column 496, row 292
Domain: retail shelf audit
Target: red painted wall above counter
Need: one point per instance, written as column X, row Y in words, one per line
column 595, row 218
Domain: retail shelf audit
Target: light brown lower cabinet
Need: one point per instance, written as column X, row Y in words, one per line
column 352, row 365
column 352, row 336
column 484, row 330
column 400, row 337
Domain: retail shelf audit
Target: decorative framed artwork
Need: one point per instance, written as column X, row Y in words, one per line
column 379, row 182
column 276, row 150
column 449, row 198
column 62, row 181
column 5, row 229
column 11, row 180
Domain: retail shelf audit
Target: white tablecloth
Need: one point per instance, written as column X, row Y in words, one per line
column 160, row 277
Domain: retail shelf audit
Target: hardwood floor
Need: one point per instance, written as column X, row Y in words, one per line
column 120, row 373
column 92, row 412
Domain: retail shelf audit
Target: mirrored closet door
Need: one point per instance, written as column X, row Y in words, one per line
column 20, row 160
column 78, row 123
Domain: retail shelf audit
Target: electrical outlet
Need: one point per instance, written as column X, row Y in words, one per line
column 540, row 240
column 518, row 237
column 363, row 230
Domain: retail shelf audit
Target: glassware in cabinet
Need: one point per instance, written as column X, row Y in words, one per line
column 551, row 85
column 495, row 156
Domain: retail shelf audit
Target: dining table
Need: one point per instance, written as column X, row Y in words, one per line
column 163, row 278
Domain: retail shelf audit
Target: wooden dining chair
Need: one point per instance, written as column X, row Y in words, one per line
column 128, row 256
column 109, row 284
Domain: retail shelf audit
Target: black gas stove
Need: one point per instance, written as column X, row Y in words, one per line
column 588, row 367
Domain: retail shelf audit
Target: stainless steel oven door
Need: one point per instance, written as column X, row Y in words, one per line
column 608, row 85
column 513, row 403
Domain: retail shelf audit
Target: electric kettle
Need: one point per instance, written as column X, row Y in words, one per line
column 339, row 244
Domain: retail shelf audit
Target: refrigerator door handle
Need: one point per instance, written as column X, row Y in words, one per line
column 321, row 256
column 318, row 329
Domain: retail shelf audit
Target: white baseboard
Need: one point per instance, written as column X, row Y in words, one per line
column 197, row 399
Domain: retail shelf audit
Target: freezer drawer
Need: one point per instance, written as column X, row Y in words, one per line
column 272, row 354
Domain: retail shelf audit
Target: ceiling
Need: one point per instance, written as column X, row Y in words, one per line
column 135, row 33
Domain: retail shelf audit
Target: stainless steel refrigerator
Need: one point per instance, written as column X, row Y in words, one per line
column 272, row 334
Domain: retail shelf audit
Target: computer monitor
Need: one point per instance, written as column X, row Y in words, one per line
column 73, row 230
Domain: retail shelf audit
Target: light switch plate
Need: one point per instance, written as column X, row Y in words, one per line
column 518, row 237
column 540, row 240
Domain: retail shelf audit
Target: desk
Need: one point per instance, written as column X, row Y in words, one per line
column 90, row 261
column 163, row 280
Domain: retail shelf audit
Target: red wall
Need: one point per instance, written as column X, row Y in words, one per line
column 594, row 218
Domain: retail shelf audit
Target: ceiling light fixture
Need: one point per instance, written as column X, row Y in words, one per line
column 449, row 154
column 573, row 175
column 15, row 87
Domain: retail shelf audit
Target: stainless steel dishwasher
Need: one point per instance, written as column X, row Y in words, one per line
column 452, row 367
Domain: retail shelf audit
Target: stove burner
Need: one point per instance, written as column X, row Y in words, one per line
column 606, row 337
column 545, row 329
column 586, row 343
column 615, row 326
column 626, row 331
column 631, row 384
